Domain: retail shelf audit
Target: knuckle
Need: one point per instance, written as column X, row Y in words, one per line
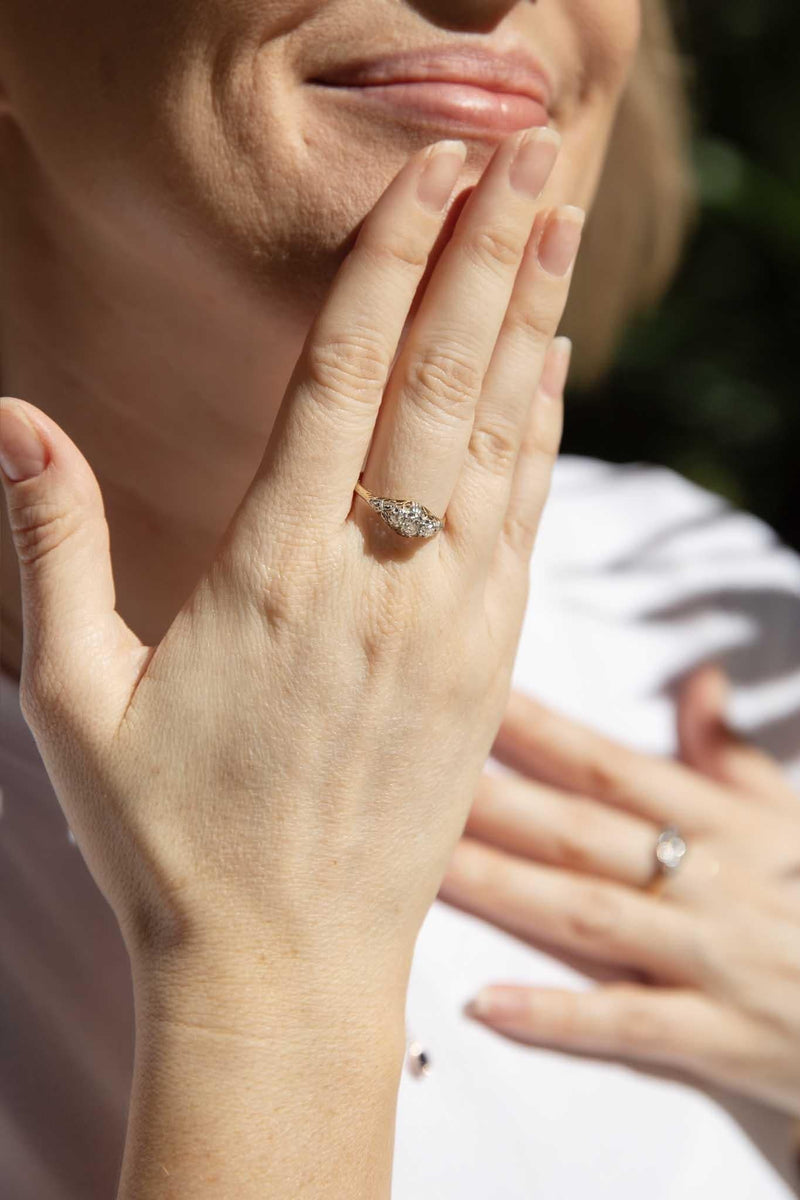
column 545, row 429
column 497, row 248
column 641, row 1025
column 42, row 696
column 247, row 573
column 572, row 843
column 392, row 615
column 533, row 323
column 347, row 365
column 41, row 527
column 604, row 777
column 594, row 915
column 520, row 528
column 444, row 382
column 400, row 249
column 495, row 447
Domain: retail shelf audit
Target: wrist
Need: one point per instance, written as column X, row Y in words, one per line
column 253, row 1076
column 255, row 991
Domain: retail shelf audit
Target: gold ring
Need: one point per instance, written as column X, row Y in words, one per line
column 406, row 517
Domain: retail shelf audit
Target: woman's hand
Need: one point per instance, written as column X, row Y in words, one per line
column 706, row 966
column 270, row 796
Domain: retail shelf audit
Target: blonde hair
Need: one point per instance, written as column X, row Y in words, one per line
column 647, row 189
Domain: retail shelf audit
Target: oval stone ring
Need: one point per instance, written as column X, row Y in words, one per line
column 405, row 517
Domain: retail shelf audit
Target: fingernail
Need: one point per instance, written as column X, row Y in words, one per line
column 534, row 160
column 478, row 1006
column 559, row 244
column 722, row 685
column 556, row 366
column 499, row 1004
column 440, row 173
column 22, row 452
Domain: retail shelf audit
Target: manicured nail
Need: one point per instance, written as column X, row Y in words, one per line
column 556, row 366
column 559, row 244
column 440, row 173
column 507, row 1004
column 534, row 160
column 22, row 453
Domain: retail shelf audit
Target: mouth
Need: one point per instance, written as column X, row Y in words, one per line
column 466, row 88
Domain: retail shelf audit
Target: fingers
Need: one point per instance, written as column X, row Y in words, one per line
column 538, row 741
column 675, row 1027
column 324, row 427
column 71, row 630
column 709, row 744
column 425, row 422
column 508, row 584
column 532, row 820
column 592, row 918
column 478, row 509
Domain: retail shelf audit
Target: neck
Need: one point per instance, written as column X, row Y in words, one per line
column 166, row 371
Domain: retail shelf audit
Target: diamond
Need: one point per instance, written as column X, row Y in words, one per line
column 670, row 849
column 407, row 517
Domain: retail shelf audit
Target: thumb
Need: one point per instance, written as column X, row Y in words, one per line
column 710, row 744
column 71, row 632
column 702, row 726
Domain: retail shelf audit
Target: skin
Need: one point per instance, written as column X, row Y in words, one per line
column 702, row 974
column 242, row 791
column 163, row 263
column 162, row 275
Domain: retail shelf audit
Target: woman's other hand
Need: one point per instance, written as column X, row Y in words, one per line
column 704, row 964
column 269, row 797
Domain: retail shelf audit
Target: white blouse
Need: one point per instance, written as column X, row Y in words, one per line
column 638, row 575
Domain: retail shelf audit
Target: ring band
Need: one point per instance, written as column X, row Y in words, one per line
column 405, row 517
column 669, row 853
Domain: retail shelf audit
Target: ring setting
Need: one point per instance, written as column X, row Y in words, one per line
column 670, row 849
column 669, row 852
column 406, row 517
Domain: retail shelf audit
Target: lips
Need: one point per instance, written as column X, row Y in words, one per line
column 466, row 86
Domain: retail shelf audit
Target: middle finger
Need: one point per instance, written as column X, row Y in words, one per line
column 424, row 425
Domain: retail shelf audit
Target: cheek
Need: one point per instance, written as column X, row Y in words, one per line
column 613, row 29
column 617, row 23
column 146, row 113
column 606, row 37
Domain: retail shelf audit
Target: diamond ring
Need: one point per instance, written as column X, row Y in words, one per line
column 670, row 850
column 406, row 517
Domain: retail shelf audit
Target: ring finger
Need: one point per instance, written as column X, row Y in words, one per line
column 535, row 821
column 426, row 417
column 562, row 829
column 478, row 507
column 596, row 919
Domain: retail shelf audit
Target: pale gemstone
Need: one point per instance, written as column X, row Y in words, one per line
column 407, row 517
column 670, row 849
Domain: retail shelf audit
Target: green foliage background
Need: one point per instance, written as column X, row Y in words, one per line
column 708, row 383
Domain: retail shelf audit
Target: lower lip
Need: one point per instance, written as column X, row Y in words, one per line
column 459, row 104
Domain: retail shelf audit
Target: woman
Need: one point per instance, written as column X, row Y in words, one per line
column 269, row 777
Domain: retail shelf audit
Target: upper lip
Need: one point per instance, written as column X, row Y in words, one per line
column 513, row 70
